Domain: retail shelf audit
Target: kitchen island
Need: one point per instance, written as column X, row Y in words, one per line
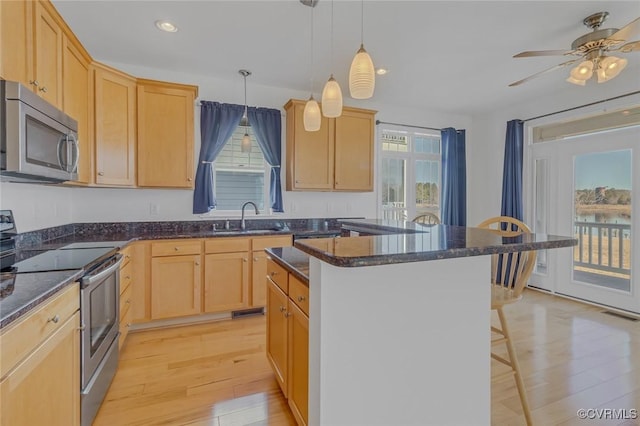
column 399, row 324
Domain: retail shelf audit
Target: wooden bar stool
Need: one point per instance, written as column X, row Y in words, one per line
column 509, row 275
column 427, row 219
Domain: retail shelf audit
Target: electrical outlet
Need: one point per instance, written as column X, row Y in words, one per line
column 153, row 209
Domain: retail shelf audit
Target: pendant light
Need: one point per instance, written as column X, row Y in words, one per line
column 332, row 94
column 311, row 118
column 245, row 145
column 362, row 75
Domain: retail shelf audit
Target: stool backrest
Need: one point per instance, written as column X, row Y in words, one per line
column 510, row 270
column 427, row 218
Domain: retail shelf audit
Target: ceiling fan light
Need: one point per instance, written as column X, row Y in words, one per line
column 576, row 81
column 311, row 117
column 332, row 99
column 610, row 67
column 245, row 145
column 584, row 71
column 362, row 75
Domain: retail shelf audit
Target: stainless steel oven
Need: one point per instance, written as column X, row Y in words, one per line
column 99, row 311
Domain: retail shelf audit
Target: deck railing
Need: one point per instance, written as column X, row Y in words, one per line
column 603, row 246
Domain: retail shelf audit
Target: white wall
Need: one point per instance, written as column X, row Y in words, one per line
column 37, row 206
column 64, row 205
column 486, row 153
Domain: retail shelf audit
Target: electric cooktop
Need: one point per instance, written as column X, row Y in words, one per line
column 63, row 259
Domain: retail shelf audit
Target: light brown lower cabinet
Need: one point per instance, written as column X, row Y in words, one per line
column 288, row 338
column 41, row 359
column 226, row 283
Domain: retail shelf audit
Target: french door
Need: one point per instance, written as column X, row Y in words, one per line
column 588, row 186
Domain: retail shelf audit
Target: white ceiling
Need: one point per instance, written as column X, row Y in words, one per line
column 445, row 55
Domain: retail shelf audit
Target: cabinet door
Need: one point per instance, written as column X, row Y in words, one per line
column 175, row 286
column 48, row 56
column 165, row 136
column 258, row 276
column 277, row 333
column 115, row 115
column 298, row 377
column 76, row 86
column 309, row 154
column 354, row 151
column 226, row 285
column 16, row 45
column 44, row 389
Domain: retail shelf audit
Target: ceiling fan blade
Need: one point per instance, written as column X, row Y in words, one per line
column 538, row 74
column 627, row 32
column 630, row 47
column 532, row 53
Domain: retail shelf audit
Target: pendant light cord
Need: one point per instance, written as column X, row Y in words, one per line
column 331, row 37
column 311, row 49
column 362, row 22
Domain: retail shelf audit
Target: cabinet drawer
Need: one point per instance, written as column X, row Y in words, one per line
column 19, row 339
column 125, row 324
column 125, row 303
column 126, row 257
column 126, row 275
column 299, row 293
column 176, row 247
column 226, row 245
column 278, row 275
column 261, row 243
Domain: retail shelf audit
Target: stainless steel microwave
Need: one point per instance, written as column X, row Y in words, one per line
column 38, row 141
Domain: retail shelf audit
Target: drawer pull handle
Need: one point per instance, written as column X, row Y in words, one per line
column 176, row 248
column 100, row 173
column 128, row 324
column 274, row 273
column 301, row 298
column 128, row 277
column 197, row 263
column 34, row 82
column 255, row 259
column 189, row 179
column 244, row 259
column 43, row 89
column 287, row 314
column 282, row 308
column 55, row 319
column 128, row 301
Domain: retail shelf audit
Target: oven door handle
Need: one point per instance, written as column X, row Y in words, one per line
column 89, row 280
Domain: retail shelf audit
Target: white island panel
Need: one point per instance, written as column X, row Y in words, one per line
column 400, row 344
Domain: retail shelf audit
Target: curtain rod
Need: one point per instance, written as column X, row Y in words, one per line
column 407, row 125
column 582, row 106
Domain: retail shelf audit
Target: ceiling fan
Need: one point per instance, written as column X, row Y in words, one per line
column 592, row 49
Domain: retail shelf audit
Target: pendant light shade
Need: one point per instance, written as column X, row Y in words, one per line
column 312, row 117
column 362, row 75
column 245, row 145
column 332, row 99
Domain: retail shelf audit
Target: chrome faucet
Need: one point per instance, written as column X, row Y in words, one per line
column 242, row 225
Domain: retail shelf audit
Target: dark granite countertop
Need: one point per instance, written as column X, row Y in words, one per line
column 293, row 260
column 432, row 242
column 383, row 226
column 23, row 292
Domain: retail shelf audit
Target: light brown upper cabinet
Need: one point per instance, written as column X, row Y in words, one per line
column 115, row 126
column 16, row 32
column 76, row 97
column 338, row 157
column 165, row 134
column 47, row 77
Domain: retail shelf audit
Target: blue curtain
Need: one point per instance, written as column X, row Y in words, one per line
column 512, row 171
column 217, row 123
column 266, row 125
column 454, row 178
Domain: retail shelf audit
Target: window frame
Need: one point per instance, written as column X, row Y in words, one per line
column 410, row 157
column 266, row 170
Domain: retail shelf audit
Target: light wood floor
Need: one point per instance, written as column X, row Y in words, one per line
column 572, row 356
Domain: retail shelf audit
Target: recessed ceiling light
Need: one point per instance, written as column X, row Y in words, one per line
column 382, row 71
column 166, row 26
